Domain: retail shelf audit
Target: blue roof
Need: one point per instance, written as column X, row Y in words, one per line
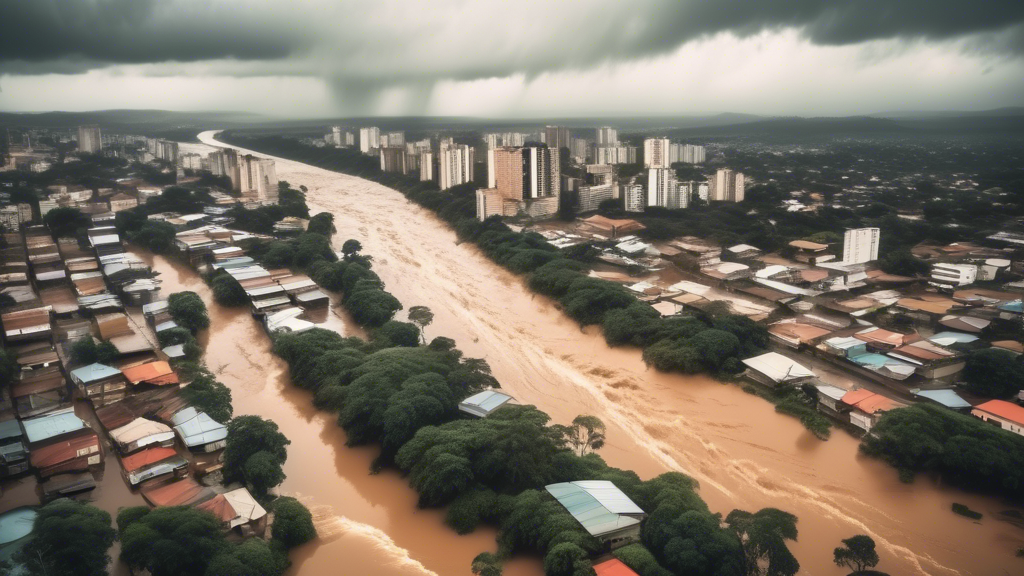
column 1014, row 306
column 51, row 426
column 947, row 398
column 94, row 372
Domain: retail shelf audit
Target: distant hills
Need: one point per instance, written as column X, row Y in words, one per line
column 180, row 125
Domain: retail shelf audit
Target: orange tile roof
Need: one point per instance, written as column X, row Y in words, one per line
column 1002, row 409
column 613, row 567
column 147, row 457
column 149, row 372
column 798, row 331
column 867, row 401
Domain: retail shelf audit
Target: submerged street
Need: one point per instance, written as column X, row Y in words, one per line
column 743, row 453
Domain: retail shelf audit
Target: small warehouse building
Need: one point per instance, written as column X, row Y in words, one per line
column 774, row 369
column 482, row 404
column 603, row 510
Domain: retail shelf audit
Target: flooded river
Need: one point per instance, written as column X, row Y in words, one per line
column 743, row 453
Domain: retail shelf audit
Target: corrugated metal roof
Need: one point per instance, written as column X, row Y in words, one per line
column 52, row 425
column 596, row 504
column 947, row 398
column 197, row 428
column 778, row 367
column 94, row 372
column 483, row 403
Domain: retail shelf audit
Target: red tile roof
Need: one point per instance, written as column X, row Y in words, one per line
column 1003, row 409
column 147, row 457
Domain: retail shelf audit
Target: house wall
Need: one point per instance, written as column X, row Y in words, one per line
column 1005, row 424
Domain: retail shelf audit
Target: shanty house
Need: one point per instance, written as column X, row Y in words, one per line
column 867, row 407
column 100, row 383
column 153, row 463
column 13, row 453
column 773, row 369
column 238, row 509
column 198, row 431
column 603, row 510
column 140, row 433
column 39, row 391
column 73, row 454
column 53, row 427
column 158, row 373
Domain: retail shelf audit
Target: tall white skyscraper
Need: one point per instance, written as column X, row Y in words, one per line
column 726, row 186
column 656, row 153
column 336, row 136
column 90, row 140
column 456, row 165
column 634, row 197
column 607, row 136
column 662, row 188
column 860, row 245
column 369, row 138
column 258, row 178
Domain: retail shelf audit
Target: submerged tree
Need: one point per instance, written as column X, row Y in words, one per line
column 764, row 534
column 857, row 553
column 585, row 434
column 421, row 316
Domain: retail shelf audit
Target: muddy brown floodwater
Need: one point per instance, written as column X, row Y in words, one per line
column 743, row 453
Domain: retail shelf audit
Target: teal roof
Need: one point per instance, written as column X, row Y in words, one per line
column 596, row 504
column 16, row 524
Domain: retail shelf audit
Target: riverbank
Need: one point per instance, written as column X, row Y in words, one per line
column 744, row 455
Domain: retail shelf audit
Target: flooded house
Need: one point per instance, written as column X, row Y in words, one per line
column 603, row 510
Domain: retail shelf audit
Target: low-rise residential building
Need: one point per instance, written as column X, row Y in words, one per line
column 947, row 275
column 1006, row 415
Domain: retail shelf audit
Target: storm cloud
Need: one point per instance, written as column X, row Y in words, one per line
column 362, row 48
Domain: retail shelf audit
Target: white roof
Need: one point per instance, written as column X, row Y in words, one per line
column 729, row 267
column 743, row 248
column 197, row 428
column 844, row 343
column 247, row 508
column 52, row 425
column 483, row 403
column 832, row 392
column 778, row 367
column 997, row 262
column 142, row 432
column 105, row 239
column 769, row 271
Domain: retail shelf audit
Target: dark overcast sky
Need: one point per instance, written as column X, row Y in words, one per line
column 523, row 58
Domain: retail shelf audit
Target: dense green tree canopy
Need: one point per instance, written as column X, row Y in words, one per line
column 857, row 553
column 69, row 538
column 293, row 524
column 210, row 396
column 188, row 311
column 255, row 453
column 993, row 373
